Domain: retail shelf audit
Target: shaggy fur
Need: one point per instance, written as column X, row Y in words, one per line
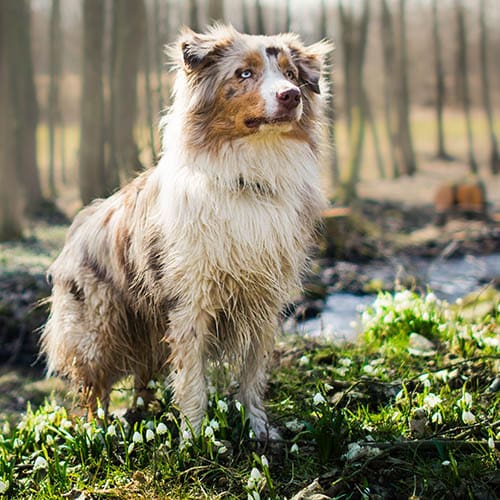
column 194, row 259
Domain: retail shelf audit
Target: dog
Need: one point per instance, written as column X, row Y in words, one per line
column 192, row 262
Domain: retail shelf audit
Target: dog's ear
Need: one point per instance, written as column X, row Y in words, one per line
column 311, row 62
column 202, row 49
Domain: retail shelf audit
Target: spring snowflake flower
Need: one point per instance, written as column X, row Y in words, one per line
column 445, row 463
column 130, row 448
column 264, row 461
column 253, row 495
column 186, row 435
column 294, row 448
column 100, row 413
column 437, row 418
column 303, row 360
column 430, row 298
column 161, row 428
column 214, row 424
column 4, row 486
column 222, row 405
column 238, row 405
column 318, row 399
column 431, row 400
column 254, row 479
column 209, row 432
column 40, row 464
column 345, row 362
column 139, row 402
column 17, row 443
column 491, row 443
column 151, row 384
column 468, row 417
column 466, row 399
column 137, row 437
column 111, row 431
column 49, row 439
column 150, row 435
column 251, row 434
column 65, row 423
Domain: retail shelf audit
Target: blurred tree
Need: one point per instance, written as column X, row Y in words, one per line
column 440, row 84
column 485, row 81
column 24, row 101
column 92, row 175
column 389, row 54
column 54, row 108
column 288, row 15
column 10, row 196
column 259, row 13
column 215, row 10
column 245, row 17
column 147, row 95
column 354, row 52
column 158, row 52
column 407, row 161
column 463, row 79
column 193, row 15
column 129, row 25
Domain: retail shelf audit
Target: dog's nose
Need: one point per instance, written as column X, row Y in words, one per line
column 289, row 98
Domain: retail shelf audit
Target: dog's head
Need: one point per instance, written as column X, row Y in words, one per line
column 235, row 85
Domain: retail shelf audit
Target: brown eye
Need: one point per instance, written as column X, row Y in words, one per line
column 290, row 74
column 245, row 74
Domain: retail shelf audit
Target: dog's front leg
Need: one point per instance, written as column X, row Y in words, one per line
column 253, row 380
column 187, row 341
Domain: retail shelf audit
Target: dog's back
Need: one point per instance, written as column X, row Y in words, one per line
column 194, row 260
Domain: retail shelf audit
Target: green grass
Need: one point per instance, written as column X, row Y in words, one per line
column 382, row 417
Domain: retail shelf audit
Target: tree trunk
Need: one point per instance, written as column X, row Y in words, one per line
column 130, row 24
column 24, row 101
column 54, row 112
column 288, row 15
column 389, row 52
column 147, row 95
column 462, row 68
column 158, row 52
column 440, row 85
column 193, row 14
column 215, row 10
column 485, row 83
column 405, row 141
column 347, row 34
column 259, row 13
column 10, row 195
column 92, row 174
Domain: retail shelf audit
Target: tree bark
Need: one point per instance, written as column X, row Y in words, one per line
column 440, row 84
column 463, row 80
column 130, row 24
column 10, row 195
column 485, row 83
column 54, row 111
column 92, row 174
column 389, row 53
column 24, row 101
column 407, row 161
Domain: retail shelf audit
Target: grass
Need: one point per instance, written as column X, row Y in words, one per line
column 391, row 416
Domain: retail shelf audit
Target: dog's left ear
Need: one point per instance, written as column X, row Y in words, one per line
column 201, row 49
column 311, row 62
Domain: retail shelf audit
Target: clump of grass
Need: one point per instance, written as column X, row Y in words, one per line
column 377, row 418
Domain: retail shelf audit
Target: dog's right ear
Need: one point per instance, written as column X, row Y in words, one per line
column 201, row 49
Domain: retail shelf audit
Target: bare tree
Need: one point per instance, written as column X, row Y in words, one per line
column 389, row 54
column 407, row 161
column 485, row 82
column 10, row 196
column 92, row 175
column 440, row 84
column 463, row 80
column 147, row 96
column 129, row 26
column 157, row 50
column 24, row 101
column 259, row 13
column 216, row 10
column 54, row 110
column 193, row 15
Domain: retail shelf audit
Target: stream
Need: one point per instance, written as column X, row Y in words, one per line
column 449, row 279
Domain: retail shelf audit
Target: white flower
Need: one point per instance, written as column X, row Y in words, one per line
column 40, row 463
column 294, row 448
column 151, row 384
column 100, row 413
column 253, row 495
column 251, row 434
column 389, row 317
column 150, row 435
column 468, row 417
column 4, row 486
column 345, row 361
column 65, row 423
column 467, row 399
column 17, row 443
column 130, row 448
column 111, row 431
column 186, row 435
column 222, row 449
column 318, row 399
column 445, row 463
column 491, row 443
column 137, row 437
column 161, row 428
column 431, row 400
column 430, row 298
column 264, row 461
column 437, row 418
column 303, row 360
column 139, row 402
column 222, row 405
column 254, row 479
column 294, row 425
column 459, row 301
column 209, row 432
column 49, row 439
column 238, row 405
column 214, row 424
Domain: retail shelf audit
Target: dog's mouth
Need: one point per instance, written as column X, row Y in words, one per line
column 258, row 121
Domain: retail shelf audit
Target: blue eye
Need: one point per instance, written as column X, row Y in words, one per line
column 246, row 74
